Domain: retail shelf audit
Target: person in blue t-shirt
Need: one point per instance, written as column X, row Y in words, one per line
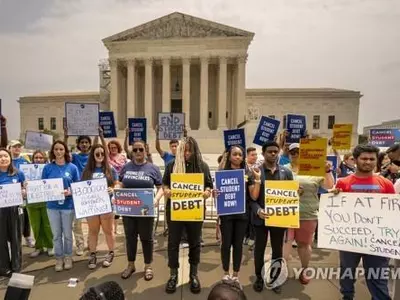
column 10, row 226
column 98, row 167
column 173, row 146
column 61, row 213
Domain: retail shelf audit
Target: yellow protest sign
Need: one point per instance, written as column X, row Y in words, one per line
column 342, row 136
column 282, row 203
column 187, row 202
column 312, row 157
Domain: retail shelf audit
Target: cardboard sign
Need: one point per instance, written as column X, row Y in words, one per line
column 296, row 127
column 360, row 222
column 232, row 192
column 384, row 137
column 11, row 195
column 134, row 202
column 266, row 131
column 235, row 137
column 312, row 157
column 342, row 136
column 38, row 141
column 45, row 190
column 137, row 130
column 107, row 123
column 187, row 202
column 32, row 171
column 82, row 119
column 171, row 126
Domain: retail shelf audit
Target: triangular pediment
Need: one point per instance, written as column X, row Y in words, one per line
column 178, row 25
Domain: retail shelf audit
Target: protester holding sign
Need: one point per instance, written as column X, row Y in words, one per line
column 166, row 156
column 364, row 181
column 61, row 213
column 10, row 226
column 98, row 167
column 234, row 226
column 129, row 153
column 188, row 160
column 139, row 173
column 39, row 219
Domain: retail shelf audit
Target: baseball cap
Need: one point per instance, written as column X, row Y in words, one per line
column 14, row 143
column 294, row 146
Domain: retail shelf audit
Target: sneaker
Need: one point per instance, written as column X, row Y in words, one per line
column 184, row 245
column 35, row 253
column 79, row 250
column 29, row 242
column 68, row 263
column 109, row 259
column 59, row 265
column 245, row 241
column 50, row 252
column 226, row 277
column 92, row 261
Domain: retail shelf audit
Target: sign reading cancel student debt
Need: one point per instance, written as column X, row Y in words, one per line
column 232, row 193
column 171, row 126
column 82, row 119
column 10, row 195
column 234, row 137
column 312, row 157
column 91, row 198
column 360, row 222
column 282, row 203
column 134, row 202
column 187, row 202
column 266, row 131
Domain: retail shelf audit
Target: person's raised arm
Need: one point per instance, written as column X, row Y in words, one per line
column 4, row 134
column 158, row 145
column 102, row 139
column 254, row 182
column 329, row 181
column 149, row 158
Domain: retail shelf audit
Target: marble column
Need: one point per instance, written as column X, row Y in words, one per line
column 148, row 92
column 204, row 93
column 241, row 103
column 166, row 85
column 186, row 90
column 222, row 87
column 131, row 89
column 115, row 92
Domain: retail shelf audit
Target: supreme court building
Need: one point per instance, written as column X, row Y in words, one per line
column 181, row 63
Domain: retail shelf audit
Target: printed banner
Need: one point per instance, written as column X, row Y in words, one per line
column 266, row 131
column 232, row 192
column 235, row 137
column 312, row 157
column 91, row 198
column 82, row 119
column 38, row 141
column 384, row 137
column 11, row 195
column 134, row 202
column 171, row 126
column 342, row 134
column 296, row 128
column 282, row 203
column 187, row 202
column 32, row 171
column 45, row 190
column 137, row 130
column 107, row 123
column 360, row 222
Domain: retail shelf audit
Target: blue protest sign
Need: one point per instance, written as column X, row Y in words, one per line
column 334, row 161
column 232, row 192
column 107, row 123
column 296, row 127
column 384, row 137
column 137, row 129
column 134, row 202
column 235, row 137
column 266, row 131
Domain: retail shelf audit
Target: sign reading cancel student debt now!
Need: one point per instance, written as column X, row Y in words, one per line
column 187, row 202
column 360, row 222
column 282, row 203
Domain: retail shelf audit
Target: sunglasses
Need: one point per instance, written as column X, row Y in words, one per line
column 294, row 152
column 99, row 154
column 138, row 149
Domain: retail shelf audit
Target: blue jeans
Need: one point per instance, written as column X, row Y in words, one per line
column 378, row 287
column 61, row 226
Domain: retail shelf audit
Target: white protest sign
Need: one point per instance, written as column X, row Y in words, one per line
column 82, row 119
column 38, row 140
column 171, row 126
column 360, row 222
column 45, row 190
column 32, row 171
column 91, row 198
column 10, row 195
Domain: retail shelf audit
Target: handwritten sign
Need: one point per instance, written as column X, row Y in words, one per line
column 360, row 222
column 134, row 202
column 266, row 131
column 312, row 157
column 282, row 203
column 235, row 137
column 38, row 141
column 342, row 136
column 10, row 195
column 45, row 190
column 82, row 119
column 232, row 197
column 384, row 137
column 187, row 202
column 91, row 198
column 107, row 123
column 137, row 129
column 171, row 126
column 296, row 127
column 32, row 171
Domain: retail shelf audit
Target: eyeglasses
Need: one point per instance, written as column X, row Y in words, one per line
column 294, row 152
column 99, row 154
column 138, row 149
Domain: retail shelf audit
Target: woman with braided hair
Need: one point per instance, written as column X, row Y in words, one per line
column 188, row 159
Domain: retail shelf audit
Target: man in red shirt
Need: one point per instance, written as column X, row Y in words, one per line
column 364, row 181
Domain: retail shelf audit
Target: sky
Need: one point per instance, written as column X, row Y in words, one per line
column 55, row 45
